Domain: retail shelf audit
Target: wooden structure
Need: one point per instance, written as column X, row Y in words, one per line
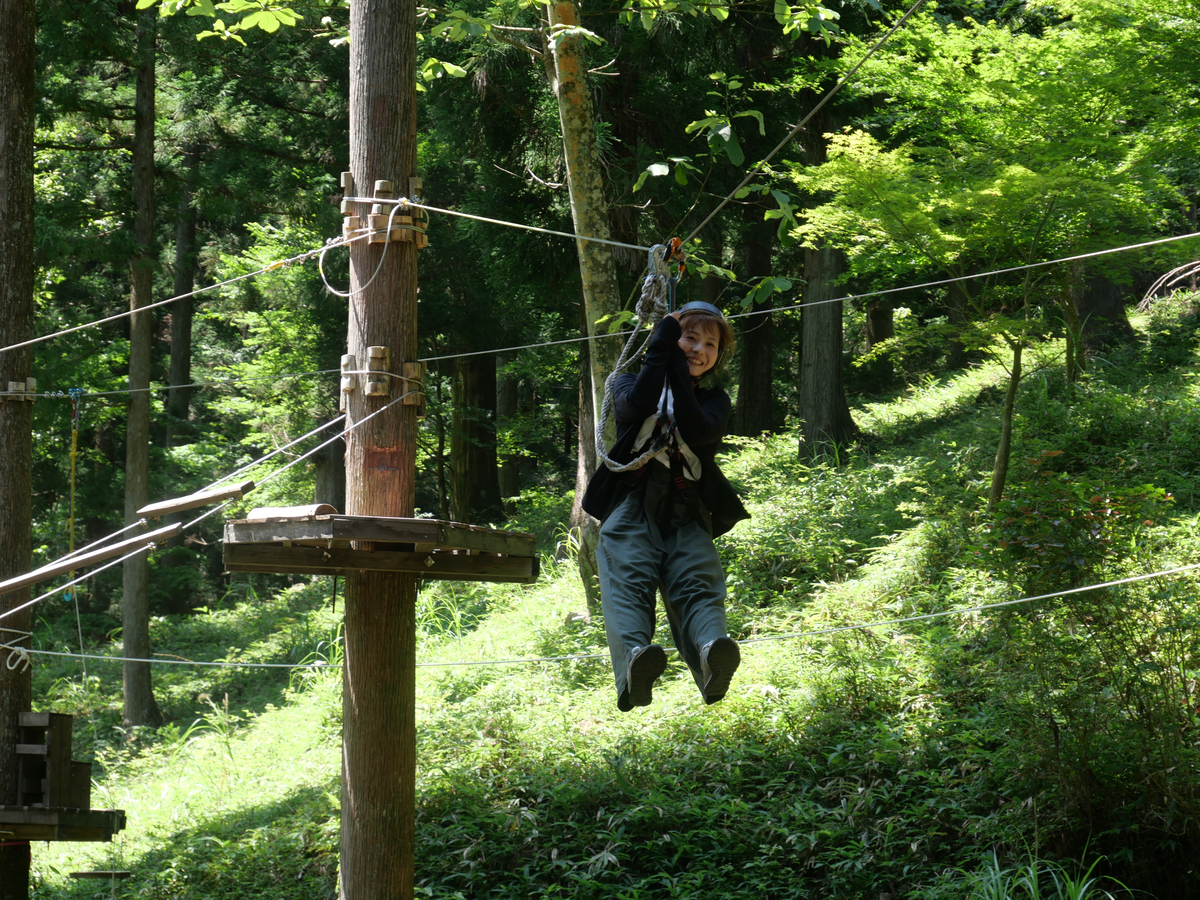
column 315, row 540
column 83, row 560
column 54, row 792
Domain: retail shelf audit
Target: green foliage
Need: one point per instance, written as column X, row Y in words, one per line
column 1054, row 530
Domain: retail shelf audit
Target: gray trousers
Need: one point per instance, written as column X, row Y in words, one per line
column 636, row 558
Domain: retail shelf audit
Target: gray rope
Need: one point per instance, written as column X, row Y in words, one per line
column 652, row 306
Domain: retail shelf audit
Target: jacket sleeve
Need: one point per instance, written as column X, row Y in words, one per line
column 636, row 398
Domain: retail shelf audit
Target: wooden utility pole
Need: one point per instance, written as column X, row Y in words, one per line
column 379, row 674
column 140, row 707
column 17, row 26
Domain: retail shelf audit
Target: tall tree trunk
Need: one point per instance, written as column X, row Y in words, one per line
column 442, row 460
column 330, row 482
column 507, row 398
column 16, row 417
column 378, row 844
column 474, row 485
column 880, row 325
column 1004, row 446
column 958, row 312
column 178, row 397
column 824, row 412
column 755, row 405
column 586, row 529
column 567, row 71
column 140, row 706
column 1100, row 306
column 1076, row 358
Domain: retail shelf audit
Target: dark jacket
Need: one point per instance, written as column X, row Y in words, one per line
column 700, row 417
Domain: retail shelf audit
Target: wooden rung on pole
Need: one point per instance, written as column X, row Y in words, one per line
column 83, row 560
column 191, row 501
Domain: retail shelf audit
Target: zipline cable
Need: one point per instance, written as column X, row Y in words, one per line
column 275, row 452
column 151, row 545
column 302, row 257
column 816, row 109
column 404, row 201
column 575, row 340
column 837, row 629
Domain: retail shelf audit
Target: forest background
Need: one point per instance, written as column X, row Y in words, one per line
column 981, row 136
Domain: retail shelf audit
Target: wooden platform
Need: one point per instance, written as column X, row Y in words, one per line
column 333, row 544
column 42, row 823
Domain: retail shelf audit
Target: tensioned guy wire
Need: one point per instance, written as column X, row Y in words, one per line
column 150, row 545
column 816, row 109
column 879, row 293
column 403, row 201
column 306, row 255
column 882, row 292
column 817, row 632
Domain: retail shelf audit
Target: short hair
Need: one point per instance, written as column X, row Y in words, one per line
column 726, row 340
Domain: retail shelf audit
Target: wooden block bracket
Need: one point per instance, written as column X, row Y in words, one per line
column 382, row 224
column 20, row 391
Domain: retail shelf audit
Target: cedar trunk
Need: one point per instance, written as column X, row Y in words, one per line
column 379, row 673
column 755, row 404
column 474, row 481
column 16, row 417
column 824, row 412
column 507, row 398
column 179, row 397
column 1100, row 307
column 140, row 707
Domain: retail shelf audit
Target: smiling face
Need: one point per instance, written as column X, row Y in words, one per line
column 701, row 343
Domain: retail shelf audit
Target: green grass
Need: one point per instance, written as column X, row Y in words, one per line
column 951, row 758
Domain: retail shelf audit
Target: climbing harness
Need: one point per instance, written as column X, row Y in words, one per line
column 657, row 300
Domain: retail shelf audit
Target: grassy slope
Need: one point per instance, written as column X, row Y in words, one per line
column 867, row 763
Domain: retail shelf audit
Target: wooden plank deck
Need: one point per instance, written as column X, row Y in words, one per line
column 41, row 823
column 435, row 564
column 332, row 544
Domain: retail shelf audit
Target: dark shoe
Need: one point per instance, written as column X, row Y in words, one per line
column 645, row 665
column 719, row 659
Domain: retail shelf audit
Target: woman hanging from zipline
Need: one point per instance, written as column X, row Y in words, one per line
column 658, row 520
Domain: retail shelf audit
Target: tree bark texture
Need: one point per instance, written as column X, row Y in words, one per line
column 881, row 324
column 755, row 404
column 1075, row 363
column 824, row 412
column 16, row 417
column 179, row 398
column 586, row 529
column 1004, row 446
column 140, row 706
column 330, row 482
column 474, row 481
column 567, row 69
column 379, row 673
column 1100, row 306
column 507, row 400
